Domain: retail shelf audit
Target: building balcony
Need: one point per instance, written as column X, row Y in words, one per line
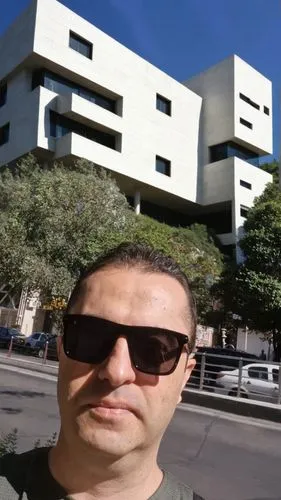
column 72, row 146
column 75, row 107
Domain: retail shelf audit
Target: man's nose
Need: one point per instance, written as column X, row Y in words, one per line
column 117, row 368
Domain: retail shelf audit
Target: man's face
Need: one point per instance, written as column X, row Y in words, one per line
column 130, row 297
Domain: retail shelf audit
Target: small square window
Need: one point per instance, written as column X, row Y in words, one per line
column 244, row 211
column 3, row 94
column 246, row 123
column 81, row 45
column 4, row 134
column 245, row 184
column 266, row 110
column 163, row 166
column 163, row 105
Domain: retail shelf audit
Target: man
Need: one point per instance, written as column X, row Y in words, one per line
column 124, row 359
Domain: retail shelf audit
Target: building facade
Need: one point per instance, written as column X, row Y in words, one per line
column 189, row 150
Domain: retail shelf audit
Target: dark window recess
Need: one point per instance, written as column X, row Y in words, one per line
column 266, row 110
column 163, row 166
column 81, row 45
column 245, row 184
column 249, row 101
column 275, row 375
column 62, row 86
column 163, row 105
column 246, row 123
column 4, row 134
column 230, row 149
column 244, row 211
column 220, row 222
column 60, row 126
column 260, row 372
column 3, row 94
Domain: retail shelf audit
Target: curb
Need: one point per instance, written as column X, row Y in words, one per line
column 32, row 366
column 243, row 407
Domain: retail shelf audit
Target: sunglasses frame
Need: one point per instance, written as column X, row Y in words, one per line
column 128, row 332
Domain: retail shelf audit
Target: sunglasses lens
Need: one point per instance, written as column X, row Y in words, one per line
column 91, row 340
column 156, row 353
column 87, row 341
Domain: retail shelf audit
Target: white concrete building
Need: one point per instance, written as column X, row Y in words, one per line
column 183, row 151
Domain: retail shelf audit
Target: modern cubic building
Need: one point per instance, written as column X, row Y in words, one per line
column 181, row 151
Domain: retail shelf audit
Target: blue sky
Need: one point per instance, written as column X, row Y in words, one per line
column 184, row 37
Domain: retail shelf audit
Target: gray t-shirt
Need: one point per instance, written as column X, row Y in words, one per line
column 27, row 477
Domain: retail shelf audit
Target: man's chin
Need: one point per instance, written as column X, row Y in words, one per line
column 106, row 442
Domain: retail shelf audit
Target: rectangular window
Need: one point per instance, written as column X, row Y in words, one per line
column 62, row 86
column 249, row 101
column 163, row 166
column 81, row 45
column 245, row 184
column 60, row 126
column 229, row 150
column 3, row 94
column 246, row 123
column 266, row 110
column 244, row 211
column 275, row 375
column 260, row 372
column 4, row 134
column 163, row 105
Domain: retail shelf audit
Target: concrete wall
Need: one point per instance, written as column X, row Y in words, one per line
column 17, row 42
column 21, row 111
column 253, row 342
column 218, row 182
column 258, row 88
column 216, row 87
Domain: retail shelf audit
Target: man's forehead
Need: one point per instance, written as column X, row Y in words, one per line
column 133, row 296
column 127, row 281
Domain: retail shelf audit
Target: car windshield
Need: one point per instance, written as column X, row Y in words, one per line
column 14, row 332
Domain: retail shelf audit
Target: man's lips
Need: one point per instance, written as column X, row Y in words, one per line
column 113, row 407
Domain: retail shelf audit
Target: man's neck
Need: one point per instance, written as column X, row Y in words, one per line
column 99, row 478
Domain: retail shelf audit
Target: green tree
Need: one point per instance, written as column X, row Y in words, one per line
column 273, row 169
column 55, row 221
column 253, row 289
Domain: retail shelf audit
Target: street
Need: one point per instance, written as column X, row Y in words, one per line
column 222, row 457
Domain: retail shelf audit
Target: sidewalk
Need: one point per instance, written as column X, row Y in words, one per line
column 50, row 368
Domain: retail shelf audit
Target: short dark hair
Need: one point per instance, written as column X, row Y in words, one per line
column 146, row 258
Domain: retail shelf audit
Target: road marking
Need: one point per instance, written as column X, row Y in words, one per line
column 240, row 419
column 24, row 371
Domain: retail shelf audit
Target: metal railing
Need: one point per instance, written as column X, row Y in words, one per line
column 236, row 376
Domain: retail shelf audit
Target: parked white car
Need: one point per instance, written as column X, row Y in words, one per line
column 259, row 381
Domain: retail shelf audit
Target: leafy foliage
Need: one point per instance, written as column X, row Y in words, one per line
column 54, row 221
column 272, row 168
column 9, row 442
column 253, row 289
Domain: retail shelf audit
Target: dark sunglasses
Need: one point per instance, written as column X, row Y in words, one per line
column 89, row 339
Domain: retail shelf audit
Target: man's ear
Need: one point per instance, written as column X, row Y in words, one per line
column 189, row 366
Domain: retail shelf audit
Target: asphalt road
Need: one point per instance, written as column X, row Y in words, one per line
column 223, row 457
